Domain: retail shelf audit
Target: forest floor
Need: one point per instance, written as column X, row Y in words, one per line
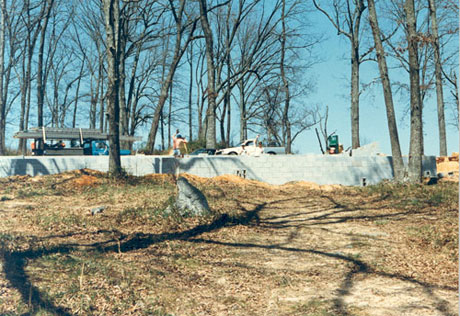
column 294, row 249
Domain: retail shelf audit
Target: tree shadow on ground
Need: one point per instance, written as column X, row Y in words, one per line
column 15, row 262
column 358, row 267
column 337, row 213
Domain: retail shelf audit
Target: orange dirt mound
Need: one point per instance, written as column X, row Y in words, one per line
column 86, row 180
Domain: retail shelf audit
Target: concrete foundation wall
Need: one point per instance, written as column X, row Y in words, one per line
column 279, row 169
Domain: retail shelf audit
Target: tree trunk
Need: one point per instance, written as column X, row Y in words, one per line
column 124, row 108
column 438, row 74
column 398, row 164
column 162, row 130
column 355, row 143
column 102, row 114
column 77, row 92
column 286, row 123
column 5, row 75
column 95, row 96
column 170, row 114
column 156, row 116
column 31, row 40
column 243, row 129
column 229, row 121
column 112, row 24
column 416, row 128
column 131, row 99
column 24, row 88
column 40, row 79
column 222, row 122
column 190, row 103
column 199, row 119
column 124, row 111
column 228, row 93
column 356, row 62
column 2, row 71
column 211, row 87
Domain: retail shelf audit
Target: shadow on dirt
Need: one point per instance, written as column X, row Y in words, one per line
column 338, row 213
column 15, row 262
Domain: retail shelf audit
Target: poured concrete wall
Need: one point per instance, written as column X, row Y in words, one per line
column 279, row 169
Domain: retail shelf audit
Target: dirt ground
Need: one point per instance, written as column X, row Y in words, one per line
column 295, row 249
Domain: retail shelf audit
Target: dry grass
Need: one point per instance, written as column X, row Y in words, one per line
column 296, row 249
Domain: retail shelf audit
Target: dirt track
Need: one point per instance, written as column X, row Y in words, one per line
column 297, row 249
column 329, row 253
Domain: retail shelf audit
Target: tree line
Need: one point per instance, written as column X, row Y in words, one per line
column 122, row 66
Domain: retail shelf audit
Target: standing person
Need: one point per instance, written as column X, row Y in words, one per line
column 243, row 151
column 177, row 141
column 259, row 150
column 255, row 140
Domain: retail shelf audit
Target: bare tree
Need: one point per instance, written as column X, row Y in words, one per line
column 416, row 126
column 32, row 25
column 182, row 25
column 2, row 71
column 439, row 83
column 41, row 77
column 111, row 9
column 58, row 66
column 287, row 93
column 211, row 71
column 201, row 90
column 12, row 32
column 229, row 21
column 190, row 92
column 138, row 110
column 259, row 51
column 138, row 31
column 398, row 165
column 346, row 18
column 90, row 43
column 80, row 76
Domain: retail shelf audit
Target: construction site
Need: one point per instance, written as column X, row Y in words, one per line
column 327, row 235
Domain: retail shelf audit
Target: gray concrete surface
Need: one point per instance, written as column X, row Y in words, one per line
column 336, row 169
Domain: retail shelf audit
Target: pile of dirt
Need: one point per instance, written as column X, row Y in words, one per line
column 86, row 180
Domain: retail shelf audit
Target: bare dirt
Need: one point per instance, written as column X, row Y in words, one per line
column 296, row 249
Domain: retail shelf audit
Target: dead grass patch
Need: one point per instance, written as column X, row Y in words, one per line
column 296, row 249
